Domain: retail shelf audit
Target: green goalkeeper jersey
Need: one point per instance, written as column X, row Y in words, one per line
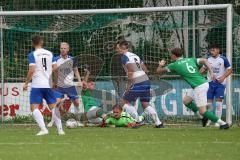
column 188, row 68
column 123, row 121
column 88, row 100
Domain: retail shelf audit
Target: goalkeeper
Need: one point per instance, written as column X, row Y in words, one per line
column 119, row 118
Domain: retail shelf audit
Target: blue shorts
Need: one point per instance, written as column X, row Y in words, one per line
column 215, row 90
column 71, row 92
column 138, row 90
column 38, row 94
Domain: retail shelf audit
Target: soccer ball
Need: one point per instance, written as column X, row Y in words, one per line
column 71, row 123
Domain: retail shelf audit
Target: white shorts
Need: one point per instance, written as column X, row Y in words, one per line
column 199, row 94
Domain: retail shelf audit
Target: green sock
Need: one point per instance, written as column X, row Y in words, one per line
column 192, row 106
column 210, row 116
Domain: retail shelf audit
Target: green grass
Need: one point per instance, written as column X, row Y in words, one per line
column 144, row 143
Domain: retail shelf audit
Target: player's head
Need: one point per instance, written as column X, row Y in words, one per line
column 122, row 47
column 37, row 41
column 214, row 50
column 64, row 48
column 117, row 110
column 91, row 84
column 176, row 53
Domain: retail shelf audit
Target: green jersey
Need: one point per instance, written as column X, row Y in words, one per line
column 123, row 121
column 88, row 100
column 188, row 68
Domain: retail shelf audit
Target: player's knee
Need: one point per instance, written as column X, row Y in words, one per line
column 76, row 103
column 202, row 110
column 187, row 100
column 33, row 107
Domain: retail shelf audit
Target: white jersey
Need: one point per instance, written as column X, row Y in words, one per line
column 43, row 61
column 65, row 71
column 219, row 66
column 130, row 58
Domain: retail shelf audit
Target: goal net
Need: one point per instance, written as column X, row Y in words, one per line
column 92, row 36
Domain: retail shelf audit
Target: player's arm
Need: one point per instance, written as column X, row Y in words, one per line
column 203, row 70
column 31, row 70
column 144, row 67
column 76, row 73
column 55, row 75
column 161, row 67
column 203, row 61
column 227, row 72
column 130, row 71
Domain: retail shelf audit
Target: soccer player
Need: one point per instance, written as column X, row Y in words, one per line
column 66, row 69
column 119, row 118
column 221, row 69
column 41, row 65
column 138, row 85
column 188, row 68
column 93, row 112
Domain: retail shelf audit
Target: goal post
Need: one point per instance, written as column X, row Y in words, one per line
column 228, row 45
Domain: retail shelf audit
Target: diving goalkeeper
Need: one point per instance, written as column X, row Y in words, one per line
column 120, row 118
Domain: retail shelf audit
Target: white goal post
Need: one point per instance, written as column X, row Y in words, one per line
column 228, row 8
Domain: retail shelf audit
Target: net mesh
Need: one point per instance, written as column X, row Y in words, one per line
column 92, row 40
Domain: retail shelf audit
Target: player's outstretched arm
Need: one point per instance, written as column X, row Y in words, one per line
column 161, row 67
column 29, row 76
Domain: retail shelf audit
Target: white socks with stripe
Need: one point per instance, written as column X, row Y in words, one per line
column 57, row 118
column 153, row 114
column 132, row 111
column 218, row 110
column 37, row 115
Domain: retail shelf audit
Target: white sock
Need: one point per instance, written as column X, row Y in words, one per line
column 209, row 107
column 131, row 110
column 77, row 113
column 221, row 122
column 218, row 111
column 199, row 115
column 57, row 118
column 37, row 115
column 153, row 114
column 52, row 120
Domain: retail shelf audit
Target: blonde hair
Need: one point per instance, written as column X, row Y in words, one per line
column 64, row 43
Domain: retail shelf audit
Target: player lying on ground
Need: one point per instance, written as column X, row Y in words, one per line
column 138, row 85
column 66, row 69
column 188, row 68
column 93, row 112
column 119, row 118
column 41, row 65
column 221, row 69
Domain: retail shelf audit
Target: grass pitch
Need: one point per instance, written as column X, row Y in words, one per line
column 145, row 143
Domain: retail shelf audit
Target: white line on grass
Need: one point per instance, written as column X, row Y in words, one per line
column 129, row 142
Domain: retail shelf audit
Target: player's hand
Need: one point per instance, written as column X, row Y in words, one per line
column 103, row 124
column 130, row 125
column 213, row 77
column 221, row 79
column 162, row 63
column 25, row 87
column 54, row 85
column 84, row 85
column 79, row 84
column 86, row 71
